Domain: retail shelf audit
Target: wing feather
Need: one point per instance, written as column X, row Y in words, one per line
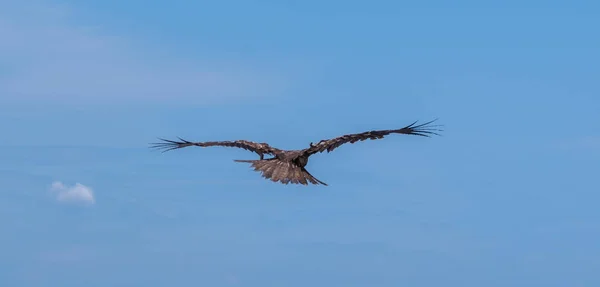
column 260, row 148
column 329, row 145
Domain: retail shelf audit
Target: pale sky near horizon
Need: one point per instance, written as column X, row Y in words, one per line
column 507, row 196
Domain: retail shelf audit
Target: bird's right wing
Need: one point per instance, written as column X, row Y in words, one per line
column 424, row 130
column 259, row 148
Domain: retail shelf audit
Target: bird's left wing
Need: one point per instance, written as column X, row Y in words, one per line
column 260, row 148
column 329, row 145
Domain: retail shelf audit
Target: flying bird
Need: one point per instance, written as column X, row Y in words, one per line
column 288, row 166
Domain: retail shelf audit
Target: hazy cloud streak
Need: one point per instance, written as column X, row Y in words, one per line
column 45, row 57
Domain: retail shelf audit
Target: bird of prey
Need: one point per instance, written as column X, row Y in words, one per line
column 288, row 166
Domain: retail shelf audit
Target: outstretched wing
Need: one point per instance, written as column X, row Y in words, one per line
column 424, row 130
column 259, row 148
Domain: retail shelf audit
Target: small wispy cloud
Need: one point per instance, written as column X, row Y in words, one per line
column 77, row 193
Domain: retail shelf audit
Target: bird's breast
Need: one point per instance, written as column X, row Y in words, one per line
column 302, row 161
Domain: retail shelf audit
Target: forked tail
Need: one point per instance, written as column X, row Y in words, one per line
column 282, row 171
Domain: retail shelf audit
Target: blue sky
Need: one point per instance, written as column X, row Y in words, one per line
column 506, row 197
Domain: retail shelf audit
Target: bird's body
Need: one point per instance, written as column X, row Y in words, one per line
column 288, row 166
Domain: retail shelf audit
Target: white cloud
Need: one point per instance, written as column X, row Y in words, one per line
column 78, row 193
column 43, row 56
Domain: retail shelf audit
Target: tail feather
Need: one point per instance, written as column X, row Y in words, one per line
column 312, row 179
column 279, row 174
column 282, row 171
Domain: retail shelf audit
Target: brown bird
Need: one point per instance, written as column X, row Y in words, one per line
column 287, row 166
